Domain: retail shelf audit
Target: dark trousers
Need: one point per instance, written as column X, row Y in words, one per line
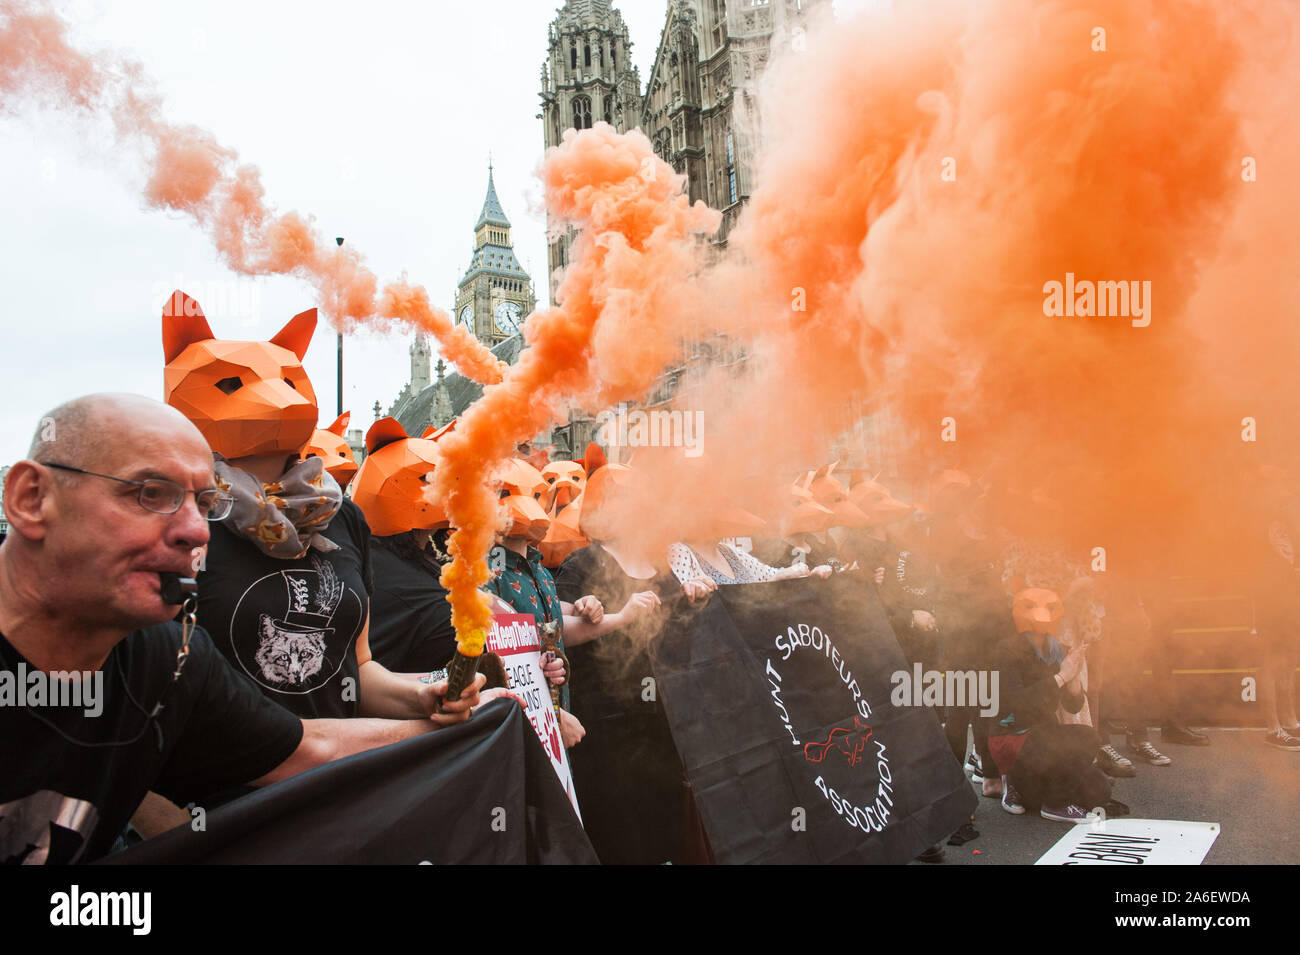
column 1055, row 768
column 959, row 717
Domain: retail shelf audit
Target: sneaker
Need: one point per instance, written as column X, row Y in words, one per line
column 1182, row 735
column 1145, row 751
column 973, row 764
column 1068, row 814
column 932, row 855
column 1111, row 762
column 1281, row 739
column 1011, row 799
column 991, row 786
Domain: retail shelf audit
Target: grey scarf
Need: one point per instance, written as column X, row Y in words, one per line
column 287, row 517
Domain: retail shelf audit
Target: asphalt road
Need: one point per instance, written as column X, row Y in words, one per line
column 1249, row 789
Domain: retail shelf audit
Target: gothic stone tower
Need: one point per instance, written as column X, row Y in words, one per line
column 496, row 294
column 588, row 77
column 701, row 107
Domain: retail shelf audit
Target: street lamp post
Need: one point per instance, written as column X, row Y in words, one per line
column 339, row 240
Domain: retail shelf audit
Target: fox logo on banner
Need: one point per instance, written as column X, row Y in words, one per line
column 778, row 695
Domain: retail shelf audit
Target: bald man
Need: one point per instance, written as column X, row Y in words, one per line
column 98, row 704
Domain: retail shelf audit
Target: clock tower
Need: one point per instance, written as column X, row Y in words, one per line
column 496, row 294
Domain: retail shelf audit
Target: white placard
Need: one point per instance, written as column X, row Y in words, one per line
column 513, row 637
column 1133, row 842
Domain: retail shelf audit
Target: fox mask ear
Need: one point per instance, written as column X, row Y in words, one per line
column 183, row 324
column 340, row 425
column 382, row 432
column 593, row 458
column 296, row 335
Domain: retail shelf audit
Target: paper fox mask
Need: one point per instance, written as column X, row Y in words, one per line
column 877, row 503
column 330, row 446
column 800, row 514
column 246, row 398
column 523, row 492
column 390, row 487
column 830, row 493
column 1037, row 610
column 565, row 480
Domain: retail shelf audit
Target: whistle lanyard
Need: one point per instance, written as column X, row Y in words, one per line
column 188, row 620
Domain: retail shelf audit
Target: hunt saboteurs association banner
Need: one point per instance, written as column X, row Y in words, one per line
column 778, row 695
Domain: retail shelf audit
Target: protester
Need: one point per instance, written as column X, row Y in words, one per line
column 285, row 588
column 410, row 619
column 627, row 772
column 1270, row 570
column 117, row 491
column 1035, row 557
column 1125, row 653
column 524, row 583
column 1046, row 765
column 973, row 607
column 724, row 564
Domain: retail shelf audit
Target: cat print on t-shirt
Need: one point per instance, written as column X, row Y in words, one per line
column 292, row 645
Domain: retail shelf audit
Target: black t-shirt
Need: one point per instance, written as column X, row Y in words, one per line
column 410, row 619
column 291, row 626
column 63, row 801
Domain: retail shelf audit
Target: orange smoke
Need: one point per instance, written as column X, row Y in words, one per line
column 896, row 256
column 190, row 172
column 622, row 314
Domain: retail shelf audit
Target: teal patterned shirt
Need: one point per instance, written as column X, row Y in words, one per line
column 529, row 588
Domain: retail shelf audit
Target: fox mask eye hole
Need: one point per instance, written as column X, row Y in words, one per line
column 230, row 385
column 290, row 383
column 504, row 494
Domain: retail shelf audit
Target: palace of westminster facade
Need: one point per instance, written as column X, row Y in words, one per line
column 698, row 109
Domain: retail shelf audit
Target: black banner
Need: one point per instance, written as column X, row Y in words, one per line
column 778, row 695
column 481, row 792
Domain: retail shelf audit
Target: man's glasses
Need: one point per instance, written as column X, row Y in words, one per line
column 166, row 497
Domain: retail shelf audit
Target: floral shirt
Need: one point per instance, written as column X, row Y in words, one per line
column 529, row 588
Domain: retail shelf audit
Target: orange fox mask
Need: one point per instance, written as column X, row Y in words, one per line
column 523, row 492
column 565, row 481
column 830, row 493
column 246, row 398
column 1037, row 610
column 877, row 503
column 390, row 487
column 330, row 446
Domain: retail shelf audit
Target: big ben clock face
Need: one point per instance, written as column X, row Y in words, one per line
column 508, row 315
column 467, row 317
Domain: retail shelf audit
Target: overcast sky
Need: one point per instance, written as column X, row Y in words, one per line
column 376, row 119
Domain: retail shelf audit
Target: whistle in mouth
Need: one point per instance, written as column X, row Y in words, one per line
column 175, row 588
